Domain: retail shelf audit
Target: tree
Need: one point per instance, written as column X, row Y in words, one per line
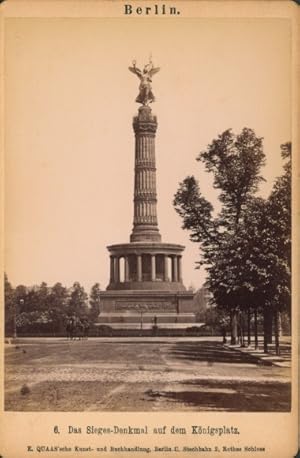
column 268, row 235
column 21, row 304
column 246, row 248
column 9, row 303
column 43, row 293
column 235, row 162
column 256, row 273
column 279, row 231
column 95, row 302
column 21, row 296
column 77, row 304
column 57, row 306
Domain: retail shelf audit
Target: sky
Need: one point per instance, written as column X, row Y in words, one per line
column 69, row 143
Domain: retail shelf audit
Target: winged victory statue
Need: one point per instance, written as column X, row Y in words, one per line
column 146, row 95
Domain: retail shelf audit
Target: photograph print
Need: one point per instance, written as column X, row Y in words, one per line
column 148, row 215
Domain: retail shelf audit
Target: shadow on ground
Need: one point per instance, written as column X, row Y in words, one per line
column 228, row 396
column 213, row 352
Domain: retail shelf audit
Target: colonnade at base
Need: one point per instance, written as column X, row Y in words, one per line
column 145, row 267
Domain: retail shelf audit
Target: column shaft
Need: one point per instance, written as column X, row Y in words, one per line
column 111, row 269
column 145, row 220
column 174, row 269
column 139, row 267
column 166, row 274
column 117, row 269
column 153, row 267
column 126, row 267
column 179, row 268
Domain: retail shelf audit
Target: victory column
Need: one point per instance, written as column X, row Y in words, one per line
column 148, row 291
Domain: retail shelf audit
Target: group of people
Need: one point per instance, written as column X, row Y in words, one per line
column 77, row 328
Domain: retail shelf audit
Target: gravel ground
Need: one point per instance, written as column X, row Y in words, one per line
column 197, row 374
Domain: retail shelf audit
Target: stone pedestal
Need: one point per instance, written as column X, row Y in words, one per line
column 129, row 309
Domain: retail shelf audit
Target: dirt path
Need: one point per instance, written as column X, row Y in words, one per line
column 118, row 376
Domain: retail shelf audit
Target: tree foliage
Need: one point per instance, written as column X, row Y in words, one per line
column 77, row 304
column 44, row 309
column 9, row 301
column 95, row 302
column 235, row 162
column 246, row 247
